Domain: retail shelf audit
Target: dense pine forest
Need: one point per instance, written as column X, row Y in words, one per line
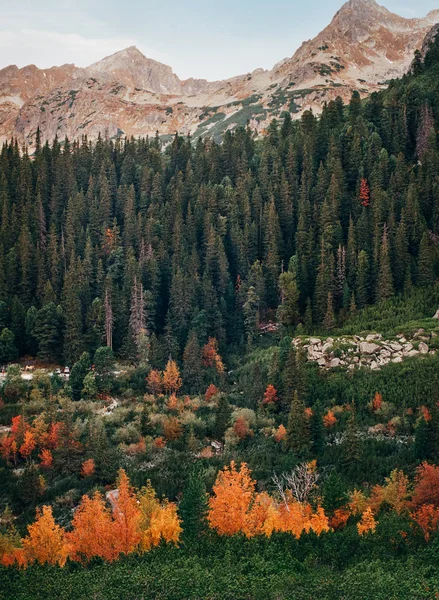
column 198, row 441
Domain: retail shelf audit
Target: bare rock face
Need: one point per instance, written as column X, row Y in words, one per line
column 127, row 93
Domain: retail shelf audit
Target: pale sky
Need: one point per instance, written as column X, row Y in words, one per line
column 197, row 38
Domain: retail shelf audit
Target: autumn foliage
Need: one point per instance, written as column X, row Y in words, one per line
column 236, row 507
column 211, row 356
column 135, row 523
column 211, row 391
column 364, row 193
column 368, row 523
column 329, row 420
column 270, row 396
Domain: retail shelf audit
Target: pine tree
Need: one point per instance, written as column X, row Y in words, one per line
column 385, row 279
column 193, row 506
column 317, row 430
column 426, row 273
column 298, row 432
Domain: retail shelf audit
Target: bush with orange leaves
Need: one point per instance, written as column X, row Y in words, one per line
column 339, row 518
column 172, row 429
column 329, row 420
column 377, row 402
column 88, row 468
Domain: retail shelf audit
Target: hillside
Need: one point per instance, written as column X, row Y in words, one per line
column 221, row 360
column 127, row 93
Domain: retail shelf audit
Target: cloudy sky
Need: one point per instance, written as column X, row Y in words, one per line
column 198, row 38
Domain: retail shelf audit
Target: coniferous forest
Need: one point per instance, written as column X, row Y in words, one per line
column 201, row 446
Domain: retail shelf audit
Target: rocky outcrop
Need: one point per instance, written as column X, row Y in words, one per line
column 372, row 352
column 127, row 93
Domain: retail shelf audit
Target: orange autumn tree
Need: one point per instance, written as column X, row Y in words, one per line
column 427, row 518
column 172, row 429
column 211, row 357
column 93, row 533
column 46, row 458
column 426, row 490
column 88, row 468
column 171, row 377
column 211, row 391
column 270, row 396
column 329, row 420
column 46, row 541
column 29, row 444
column 377, row 401
column 233, row 496
column 126, row 515
column 155, row 382
column 364, row 193
column 280, row 434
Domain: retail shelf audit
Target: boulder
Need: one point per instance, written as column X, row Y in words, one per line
column 397, row 359
column 368, row 348
column 436, row 315
column 374, row 366
column 385, row 353
column 373, row 336
column 423, row 348
column 326, row 348
column 314, row 353
column 335, row 362
column 396, row 347
column 314, row 341
column 407, row 348
column 412, row 353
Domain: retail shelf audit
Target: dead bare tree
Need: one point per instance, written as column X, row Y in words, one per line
column 108, row 319
column 298, row 483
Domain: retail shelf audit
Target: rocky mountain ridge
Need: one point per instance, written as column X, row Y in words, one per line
column 127, row 93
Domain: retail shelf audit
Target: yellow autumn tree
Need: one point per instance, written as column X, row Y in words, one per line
column 368, row 523
column 158, row 521
column 171, row 377
column 45, row 542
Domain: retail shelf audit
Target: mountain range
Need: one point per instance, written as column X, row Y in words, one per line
column 363, row 47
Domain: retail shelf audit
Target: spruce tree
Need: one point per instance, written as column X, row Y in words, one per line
column 193, row 506
column 298, row 430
